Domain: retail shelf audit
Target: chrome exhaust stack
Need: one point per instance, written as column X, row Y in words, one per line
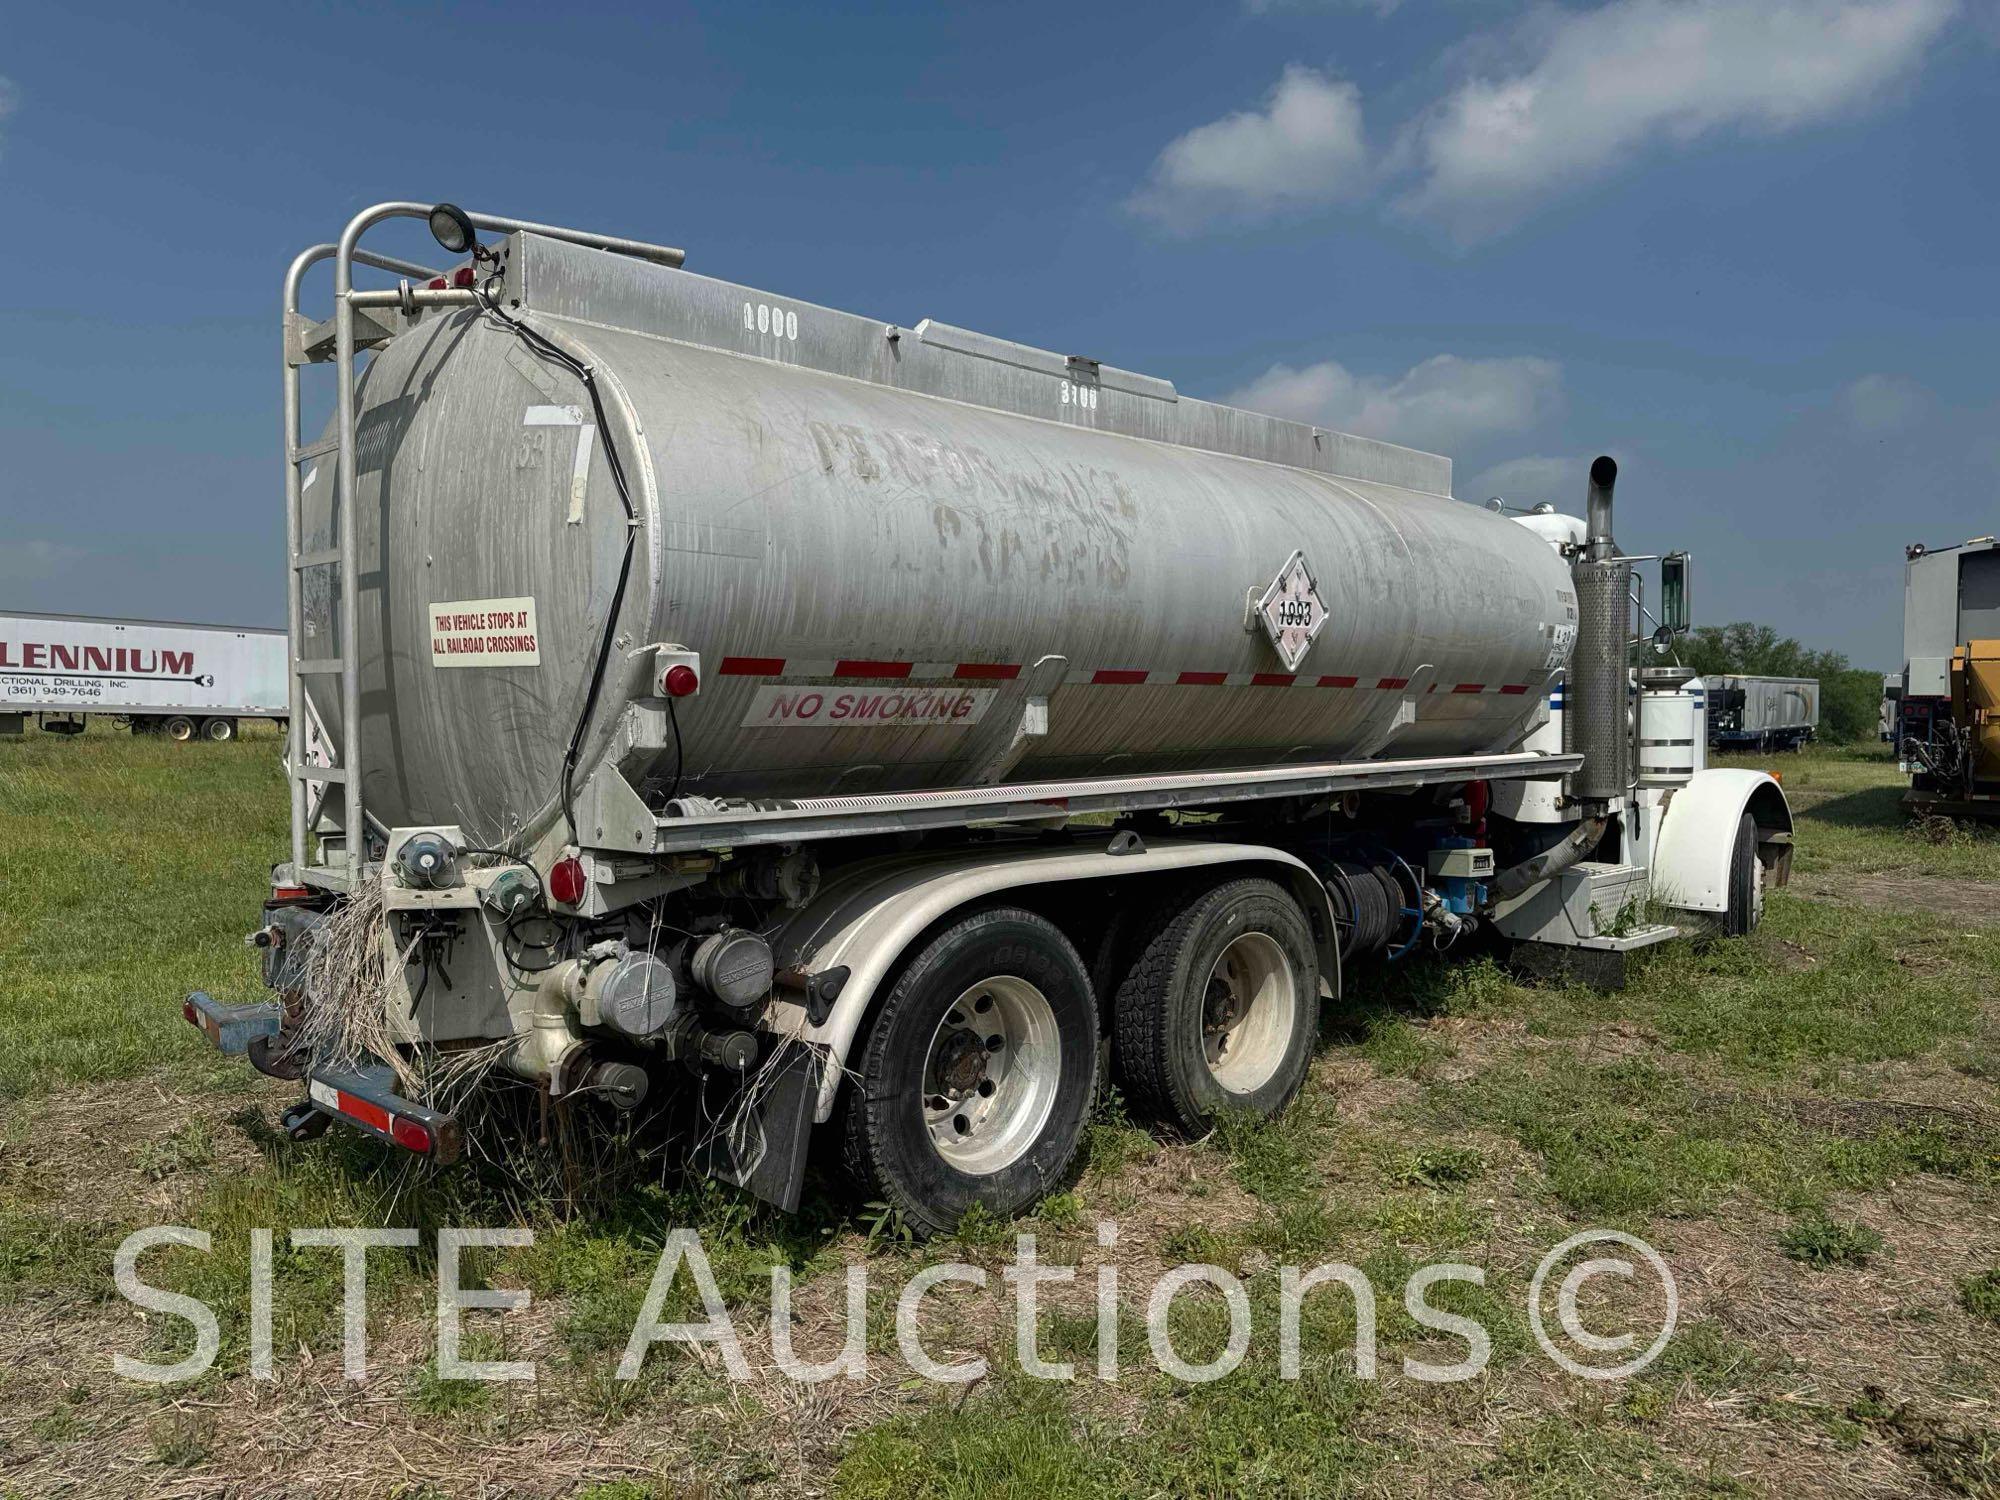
column 1597, row 716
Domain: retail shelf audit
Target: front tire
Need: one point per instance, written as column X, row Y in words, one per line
column 1221, row 1009
column 977, row 1073
column 1746, row 882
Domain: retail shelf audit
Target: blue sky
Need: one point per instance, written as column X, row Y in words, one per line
column 1745, row 245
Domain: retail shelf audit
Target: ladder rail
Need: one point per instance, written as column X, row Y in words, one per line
column 296, row 451
column 346, row 254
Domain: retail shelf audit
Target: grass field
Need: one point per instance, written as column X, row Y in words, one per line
column 1806, row 1125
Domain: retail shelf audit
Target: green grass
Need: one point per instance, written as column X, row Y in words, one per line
column 134, row 866
column 1847, row 800
column 1981, row 1295
column 1824, row 1243
column 1727, row 1077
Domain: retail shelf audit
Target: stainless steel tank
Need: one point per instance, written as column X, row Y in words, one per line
column 1005, row 563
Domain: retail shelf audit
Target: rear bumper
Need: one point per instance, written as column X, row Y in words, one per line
column 363, row 1097
column 366, row 1099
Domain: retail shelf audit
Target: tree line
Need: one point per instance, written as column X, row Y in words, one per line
column 1850, row 697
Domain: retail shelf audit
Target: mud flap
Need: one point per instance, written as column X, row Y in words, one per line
column 765, row 1119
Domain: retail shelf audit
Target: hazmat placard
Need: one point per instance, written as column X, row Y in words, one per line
column 945, row 707
column 485, row 633
column 1292, row 611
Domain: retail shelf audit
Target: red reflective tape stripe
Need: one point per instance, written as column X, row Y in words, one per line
column 1202, row 679
column 871, row 669
column 987, row 671
column 362, row 1110
column 1470, row 687
column 752, row 666
column 1514, row 687
column 1338, row 681
column 1273, row 679
column 1118, row 678
column 1393, row 684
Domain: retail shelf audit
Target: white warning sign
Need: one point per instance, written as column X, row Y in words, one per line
column 946, row 707
column 485, row 633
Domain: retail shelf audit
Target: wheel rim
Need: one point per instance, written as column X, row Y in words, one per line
column 180, row 729
column 1249, row 1011
column 217, row 730
column 990, row 1075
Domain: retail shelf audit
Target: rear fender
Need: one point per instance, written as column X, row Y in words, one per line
column 864, row 922
column 1698, row 835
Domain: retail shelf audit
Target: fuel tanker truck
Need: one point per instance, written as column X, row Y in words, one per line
column 894, row 731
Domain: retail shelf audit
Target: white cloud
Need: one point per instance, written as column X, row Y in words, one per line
column 1441, row 404
column 1604, row 84
column 1304, row 146
column 1884, row 403
column 1529, row 481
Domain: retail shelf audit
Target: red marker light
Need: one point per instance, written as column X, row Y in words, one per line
column 436, row 284
column 410, row 1135
column 680, row 680
column 566, row 882
column 463, row 278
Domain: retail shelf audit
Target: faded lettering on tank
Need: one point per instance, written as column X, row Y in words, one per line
column 1074, row 521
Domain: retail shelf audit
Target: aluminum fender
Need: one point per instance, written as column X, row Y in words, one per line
column 864, row 921
column 1698, row 833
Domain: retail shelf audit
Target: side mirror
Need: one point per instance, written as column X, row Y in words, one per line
column 1674, row 569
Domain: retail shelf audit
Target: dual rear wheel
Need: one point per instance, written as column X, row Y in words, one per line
column 978, row 1070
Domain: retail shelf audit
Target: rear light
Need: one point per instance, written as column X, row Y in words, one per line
column 286, row 895
column 680, row 681
column 434, row 1136
column 410, row 1135
column 463, row 278
column 187, row 1009
column 436, row 284
column 566, row 882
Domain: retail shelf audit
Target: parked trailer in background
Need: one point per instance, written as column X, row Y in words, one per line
column 1762, row 713
column 184, row 681
column 727, row 695
column 1948, row 724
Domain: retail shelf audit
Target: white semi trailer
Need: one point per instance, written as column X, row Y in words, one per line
column 1762, row 713
column 873, row 727
column 184, row 681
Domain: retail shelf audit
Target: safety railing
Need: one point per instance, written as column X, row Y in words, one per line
column 300, row 350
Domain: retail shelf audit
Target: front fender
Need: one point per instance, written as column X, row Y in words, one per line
column 865, row 922
column 1698, row 835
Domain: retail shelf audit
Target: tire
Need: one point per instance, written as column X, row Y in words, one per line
column 220, row 731
column 179, row 728
column 1173, row 1031
column 1746, row 882
column 978, row 1073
